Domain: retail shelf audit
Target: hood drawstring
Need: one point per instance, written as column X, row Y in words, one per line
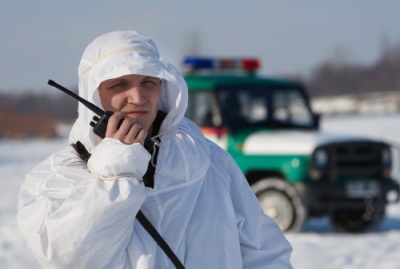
column 157, row 144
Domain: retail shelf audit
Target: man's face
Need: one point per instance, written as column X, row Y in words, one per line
column 134, row 95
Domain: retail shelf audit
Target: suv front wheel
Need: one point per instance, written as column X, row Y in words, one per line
column 281, row 202
column 359, row 220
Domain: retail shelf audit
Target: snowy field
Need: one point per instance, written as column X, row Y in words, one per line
column 317, row 247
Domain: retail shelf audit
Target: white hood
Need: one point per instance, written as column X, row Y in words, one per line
column 122, row 53
column 291, row 142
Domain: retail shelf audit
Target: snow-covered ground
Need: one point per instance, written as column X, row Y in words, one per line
column 316, row 247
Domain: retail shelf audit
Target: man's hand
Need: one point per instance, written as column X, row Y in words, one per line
column 128, row 133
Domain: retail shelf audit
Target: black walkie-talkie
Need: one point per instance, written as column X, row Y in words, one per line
column 100, row 121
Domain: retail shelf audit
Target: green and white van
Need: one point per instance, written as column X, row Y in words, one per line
column 295, row 170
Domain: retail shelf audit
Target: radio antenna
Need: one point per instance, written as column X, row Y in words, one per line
column 89, row 105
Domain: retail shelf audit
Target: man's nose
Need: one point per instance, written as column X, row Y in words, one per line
column 135, row 95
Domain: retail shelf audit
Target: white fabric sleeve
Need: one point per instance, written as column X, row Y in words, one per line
column 71, row 219
column 112, row 159
column 262, row 243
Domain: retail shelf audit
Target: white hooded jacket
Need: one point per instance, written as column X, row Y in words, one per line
column 78, row 215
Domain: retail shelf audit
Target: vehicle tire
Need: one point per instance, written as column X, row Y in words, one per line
column 280, row 201
column 358, row 220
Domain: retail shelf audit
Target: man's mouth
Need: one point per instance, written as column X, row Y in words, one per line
column 135, row 114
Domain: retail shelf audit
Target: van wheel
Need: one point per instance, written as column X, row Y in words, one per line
column 281, row 202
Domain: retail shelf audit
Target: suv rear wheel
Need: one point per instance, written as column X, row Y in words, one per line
column 281, row 202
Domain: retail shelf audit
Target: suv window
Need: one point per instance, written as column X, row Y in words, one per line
column 290, row 107
column 248, row 107
column 243, row 108
column 203, row 109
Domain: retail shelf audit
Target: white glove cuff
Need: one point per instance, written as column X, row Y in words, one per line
column 112, row 159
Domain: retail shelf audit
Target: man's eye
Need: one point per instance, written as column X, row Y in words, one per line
column 149, row 83
column 117, row 85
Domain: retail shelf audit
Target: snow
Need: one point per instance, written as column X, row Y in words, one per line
column 375, row 102
column 316, row 247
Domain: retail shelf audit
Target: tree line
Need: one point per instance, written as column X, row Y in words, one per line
column 338, row 76
column 35, row 115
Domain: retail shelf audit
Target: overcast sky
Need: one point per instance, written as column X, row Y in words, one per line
column 44, row 39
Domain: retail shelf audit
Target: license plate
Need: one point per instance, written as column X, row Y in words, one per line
column 362, row 189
